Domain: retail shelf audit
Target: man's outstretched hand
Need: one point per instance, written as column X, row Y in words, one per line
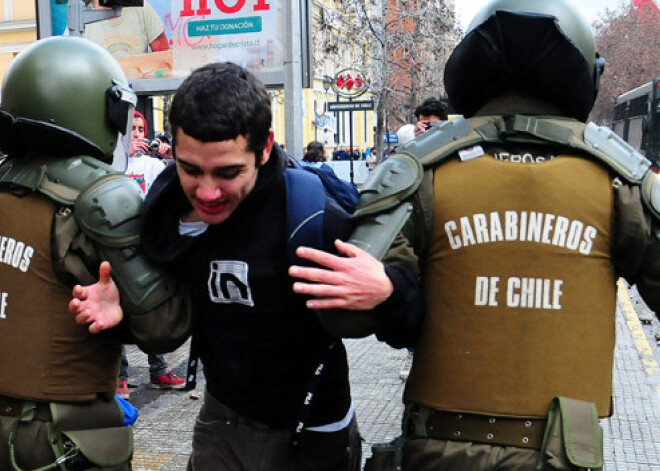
column 97, row 304
column 356, row 281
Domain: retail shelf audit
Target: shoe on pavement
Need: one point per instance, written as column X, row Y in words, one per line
column 168, row 381
column 407, row 364
column 122, row 389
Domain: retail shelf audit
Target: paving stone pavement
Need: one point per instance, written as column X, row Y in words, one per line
column 631, row 436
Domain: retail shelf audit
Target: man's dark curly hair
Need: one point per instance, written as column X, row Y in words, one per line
column 431, row 107
column 219, row 102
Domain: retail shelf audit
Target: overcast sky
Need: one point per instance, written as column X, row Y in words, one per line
column 466, row 9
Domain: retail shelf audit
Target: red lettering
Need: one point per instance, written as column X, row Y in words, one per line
column 202, row 10
column 225, row 9
column 261, row 6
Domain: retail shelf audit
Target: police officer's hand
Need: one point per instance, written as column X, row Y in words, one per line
column 97, row 304
column 356, row 282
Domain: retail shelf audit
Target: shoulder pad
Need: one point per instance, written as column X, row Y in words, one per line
column 616, row 153
column 392, row 181
column 110, row 209
column 60, row 180
column 650, row 190
column 439, row 142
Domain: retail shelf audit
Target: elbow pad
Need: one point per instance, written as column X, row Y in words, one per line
column 109, row 212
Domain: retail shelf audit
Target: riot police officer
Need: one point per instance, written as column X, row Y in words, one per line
column 525, row 217
column 65, row 210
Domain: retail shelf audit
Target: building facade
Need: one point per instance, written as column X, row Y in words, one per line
column 18, row 29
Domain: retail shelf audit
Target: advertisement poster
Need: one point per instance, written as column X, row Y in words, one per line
column 247, row 32
column 161, row 42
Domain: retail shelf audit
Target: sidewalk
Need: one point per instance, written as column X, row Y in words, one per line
column 632, row 435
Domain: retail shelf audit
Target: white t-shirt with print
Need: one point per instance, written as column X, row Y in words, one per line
column 144, row 170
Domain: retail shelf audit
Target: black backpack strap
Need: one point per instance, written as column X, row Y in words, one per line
column 305, row 208
column 312, row 388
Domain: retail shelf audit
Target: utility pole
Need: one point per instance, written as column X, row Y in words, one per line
column 293, row 98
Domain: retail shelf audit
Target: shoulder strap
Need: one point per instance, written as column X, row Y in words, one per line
column 434, row 146
column 60, row 180
column 305, row 207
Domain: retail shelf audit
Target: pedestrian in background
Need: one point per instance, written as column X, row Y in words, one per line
column 143, row 168
column 430, row 112
column 314, row 153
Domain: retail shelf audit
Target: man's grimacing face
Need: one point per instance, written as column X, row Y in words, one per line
column 216, row 176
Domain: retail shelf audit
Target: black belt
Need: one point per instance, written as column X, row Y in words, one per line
column 12, row 407
column 491, row 430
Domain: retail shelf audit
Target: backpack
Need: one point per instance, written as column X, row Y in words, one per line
column 306, row 191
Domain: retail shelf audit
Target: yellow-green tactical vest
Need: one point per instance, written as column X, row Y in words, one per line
column 520, row 288
column 45, row 354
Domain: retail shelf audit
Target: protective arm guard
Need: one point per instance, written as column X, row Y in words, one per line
column 383, row 208
column 109, row 212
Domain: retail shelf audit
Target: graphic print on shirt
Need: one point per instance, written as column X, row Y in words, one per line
column 228, row 283
column 139, row 178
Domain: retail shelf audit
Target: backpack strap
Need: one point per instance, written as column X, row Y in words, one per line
column 60, row 180
column 305, row 208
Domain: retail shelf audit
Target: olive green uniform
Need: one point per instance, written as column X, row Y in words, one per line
column 520, row 260
column 64, row 210
column 48, row 357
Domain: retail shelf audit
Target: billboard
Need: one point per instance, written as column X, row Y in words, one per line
column 160, row 43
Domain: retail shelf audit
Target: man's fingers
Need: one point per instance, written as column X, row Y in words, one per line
column 331, row 303
column 349, row 249
column 326, row 291
column 105, row 272
column 78, row 292
column 95, row 327
column 82, row 317
column 315, row 275
column 75, row 306
column 319, row 256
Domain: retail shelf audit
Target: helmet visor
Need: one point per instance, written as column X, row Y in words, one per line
column 120, row 101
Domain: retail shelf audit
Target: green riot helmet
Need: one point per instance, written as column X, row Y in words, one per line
column 65, row 96
column 542, row 48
